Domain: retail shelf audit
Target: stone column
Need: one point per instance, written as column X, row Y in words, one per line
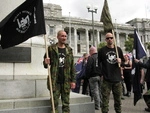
column 146, row 40
column 98, row 41
column 75, row 41
column 118, row 39
column 87, row 40
column 146, row 37
column 126, row 36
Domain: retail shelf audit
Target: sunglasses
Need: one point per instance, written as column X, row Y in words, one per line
column 109, row 38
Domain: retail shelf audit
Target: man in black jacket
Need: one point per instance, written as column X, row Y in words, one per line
column 93, row 74
column 147, row 78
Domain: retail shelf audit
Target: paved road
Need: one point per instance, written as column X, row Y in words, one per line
column 127, row 105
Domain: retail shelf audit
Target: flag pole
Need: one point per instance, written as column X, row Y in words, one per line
column 49, row 76
column 115, row 45
column 107, row 23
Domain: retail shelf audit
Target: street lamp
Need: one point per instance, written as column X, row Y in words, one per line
column 93, row 10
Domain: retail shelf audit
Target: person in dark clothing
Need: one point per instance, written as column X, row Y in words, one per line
column 80, row 73
column 147, row 79
column 93, row 73
column 111, row 73
column 85, row 85
column 127, row 67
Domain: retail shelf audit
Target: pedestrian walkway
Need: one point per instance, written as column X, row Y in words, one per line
column 127, row 105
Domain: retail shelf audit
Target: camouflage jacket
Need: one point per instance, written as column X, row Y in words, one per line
column 69, row 69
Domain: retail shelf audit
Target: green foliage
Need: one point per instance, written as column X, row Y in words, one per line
column 101, row 44
column 148, row 45
column 129, row 44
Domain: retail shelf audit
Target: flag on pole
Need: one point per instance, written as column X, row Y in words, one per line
column 138, row 53
column 106, row 18
column 138, row 46
column 107, row 24
column 26, row 21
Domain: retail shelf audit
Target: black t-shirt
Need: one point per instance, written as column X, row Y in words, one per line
column 127, row 72
column 62, row 55
column 107, row 60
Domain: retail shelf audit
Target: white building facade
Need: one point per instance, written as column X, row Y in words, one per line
column 80, row 30
column 28, row 80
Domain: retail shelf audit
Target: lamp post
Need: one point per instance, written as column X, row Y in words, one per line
column 93, row 10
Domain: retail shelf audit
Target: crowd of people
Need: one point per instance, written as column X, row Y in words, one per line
column 99, row 72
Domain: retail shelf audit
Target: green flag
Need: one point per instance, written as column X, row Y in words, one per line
column 106, row 18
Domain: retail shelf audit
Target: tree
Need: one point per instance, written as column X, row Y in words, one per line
column 101, row 44
column 148, row 45
column 129, row 44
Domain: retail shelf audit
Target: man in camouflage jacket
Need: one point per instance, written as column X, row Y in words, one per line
column 62, row 71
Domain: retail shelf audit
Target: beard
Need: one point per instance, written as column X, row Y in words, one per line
column 110, row 43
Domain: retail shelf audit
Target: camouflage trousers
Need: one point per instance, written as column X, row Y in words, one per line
column 146, row 97
column 63, row 92
column 106, row 89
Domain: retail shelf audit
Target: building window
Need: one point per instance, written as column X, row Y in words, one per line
column 67, row 34
column 89, row 36
column 90, row 46
column 141, row 39
column 78, row 35
column 100, row 38
column 51, row 30
column 78, row 48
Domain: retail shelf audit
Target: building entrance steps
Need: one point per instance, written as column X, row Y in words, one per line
column 78, row 104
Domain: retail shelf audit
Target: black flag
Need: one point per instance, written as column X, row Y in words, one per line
column 138, row 52
column 24, row 22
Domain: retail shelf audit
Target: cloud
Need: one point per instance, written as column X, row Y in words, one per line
column 120, row 10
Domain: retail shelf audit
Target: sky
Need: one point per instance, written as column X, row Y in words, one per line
column 121, row 11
